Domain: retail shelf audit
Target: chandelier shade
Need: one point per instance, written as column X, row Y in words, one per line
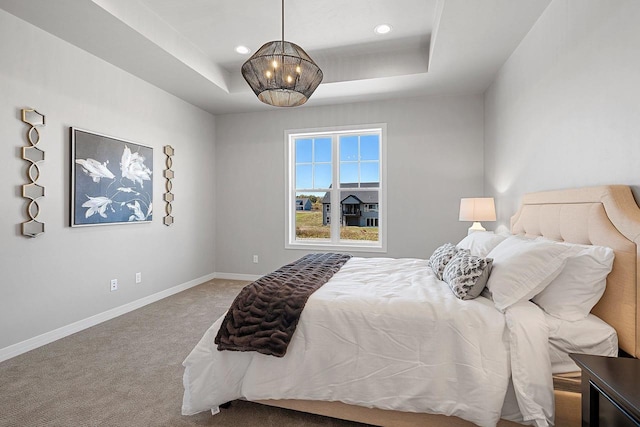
column 281, row 73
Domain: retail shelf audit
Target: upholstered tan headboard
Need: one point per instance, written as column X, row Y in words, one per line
column 605, row 216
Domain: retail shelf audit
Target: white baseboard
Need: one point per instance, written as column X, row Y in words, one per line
column 48, row 337
column 236, row 276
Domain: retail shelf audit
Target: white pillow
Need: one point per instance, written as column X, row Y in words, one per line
column 481, row 243
column 580, row 284
column 522, row 268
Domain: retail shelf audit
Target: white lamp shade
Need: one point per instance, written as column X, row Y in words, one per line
column 477, row 209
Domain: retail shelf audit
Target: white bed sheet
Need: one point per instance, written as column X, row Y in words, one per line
column 591, row 335
column 384, row 333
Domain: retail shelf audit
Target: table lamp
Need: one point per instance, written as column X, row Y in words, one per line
column 476, row 210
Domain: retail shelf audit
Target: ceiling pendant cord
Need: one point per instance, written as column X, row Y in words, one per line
column 282, row 72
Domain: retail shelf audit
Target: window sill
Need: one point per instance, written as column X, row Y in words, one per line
column 356, row 246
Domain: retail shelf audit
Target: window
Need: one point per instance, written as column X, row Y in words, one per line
column 342, row 172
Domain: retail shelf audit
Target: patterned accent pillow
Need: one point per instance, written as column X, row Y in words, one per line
column 441, row 257
column 467, row 274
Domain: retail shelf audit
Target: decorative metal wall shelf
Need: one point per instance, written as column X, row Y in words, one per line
column 32, row 190
column 168, row 174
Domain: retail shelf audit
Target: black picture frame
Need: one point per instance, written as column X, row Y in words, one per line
column 111, row 180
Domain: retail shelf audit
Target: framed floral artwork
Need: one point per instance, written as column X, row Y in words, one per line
column 111, row 180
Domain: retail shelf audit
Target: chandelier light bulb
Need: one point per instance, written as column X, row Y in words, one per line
column 268, row 74
column 275, row 64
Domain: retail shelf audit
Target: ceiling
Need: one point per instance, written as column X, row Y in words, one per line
column 186, row 47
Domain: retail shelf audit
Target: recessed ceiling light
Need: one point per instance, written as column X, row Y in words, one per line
column 243, row 50
column 382, row 29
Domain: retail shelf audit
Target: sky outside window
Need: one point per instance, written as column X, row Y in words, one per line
column 313, row 163
column 359, row 159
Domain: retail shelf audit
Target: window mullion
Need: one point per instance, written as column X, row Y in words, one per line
column 336, row 210
column 313, row 163
column 359, row 164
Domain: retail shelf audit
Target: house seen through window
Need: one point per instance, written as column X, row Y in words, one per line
column 336, row 189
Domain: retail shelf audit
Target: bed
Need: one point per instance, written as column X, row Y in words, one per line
column 605, row 216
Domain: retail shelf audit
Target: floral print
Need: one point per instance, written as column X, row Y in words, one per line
column 103, row 197
column 133, row 167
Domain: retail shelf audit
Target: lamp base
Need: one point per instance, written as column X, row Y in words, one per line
column 475, row 227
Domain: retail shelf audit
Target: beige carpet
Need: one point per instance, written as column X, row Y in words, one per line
column 128, row 372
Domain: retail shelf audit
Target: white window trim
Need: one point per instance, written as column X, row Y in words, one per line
column 357, row 246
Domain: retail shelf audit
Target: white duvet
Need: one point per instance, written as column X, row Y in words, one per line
column 387, row 333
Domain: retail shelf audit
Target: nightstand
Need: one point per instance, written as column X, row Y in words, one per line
column 610, row 390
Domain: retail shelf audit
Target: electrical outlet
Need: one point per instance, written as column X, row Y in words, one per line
column 114, row 285
column 138, row 277
column 255, row 259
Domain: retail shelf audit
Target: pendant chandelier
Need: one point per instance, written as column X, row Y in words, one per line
column 281, row 73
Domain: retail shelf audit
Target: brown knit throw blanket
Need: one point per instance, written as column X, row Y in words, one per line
column 264, row 316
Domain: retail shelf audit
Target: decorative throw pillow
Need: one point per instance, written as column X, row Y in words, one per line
column 441, row 257
column 467, row 274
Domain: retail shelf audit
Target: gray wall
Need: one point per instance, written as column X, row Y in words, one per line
column 63, row 276
column 564, row 110
column 434, row 157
